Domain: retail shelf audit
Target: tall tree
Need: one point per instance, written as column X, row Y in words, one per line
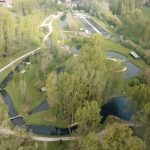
column 89, row 142
column 88, row 117
column 119, row 136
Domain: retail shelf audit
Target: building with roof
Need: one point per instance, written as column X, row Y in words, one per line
column 134, row 54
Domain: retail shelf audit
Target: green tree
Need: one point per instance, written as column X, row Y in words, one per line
column 88, row 117
column 141, row 101
column 119, row 136
column 7, row 30
column 89, row 142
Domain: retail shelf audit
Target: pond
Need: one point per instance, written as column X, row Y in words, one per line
column 132, row 69
column 117, row 106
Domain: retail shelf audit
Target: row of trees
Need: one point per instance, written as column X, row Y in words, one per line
column 100, row 9
column 135, row 24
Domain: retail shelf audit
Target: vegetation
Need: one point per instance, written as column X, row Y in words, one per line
column 76, row 87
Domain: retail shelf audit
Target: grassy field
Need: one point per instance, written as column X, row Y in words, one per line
column 146, row 11
column 53, row 146
column 46, row 118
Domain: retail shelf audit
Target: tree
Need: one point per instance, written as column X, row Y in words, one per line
column 146, row 77
column 139, row 97
column 89, row 142
column 119, row 136
column 25, row 7
column 88, row 117
column 20, row 141
column 7, row 30
column 147, row 138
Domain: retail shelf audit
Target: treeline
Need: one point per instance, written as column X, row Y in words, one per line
column 100, row 9
column 19, row 26
column 135, row 24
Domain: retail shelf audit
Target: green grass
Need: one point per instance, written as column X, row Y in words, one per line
column 23, row 89
column 53, row 146
column 46, row 118
column 146, row 11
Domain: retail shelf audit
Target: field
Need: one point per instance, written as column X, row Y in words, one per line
column 146, row 11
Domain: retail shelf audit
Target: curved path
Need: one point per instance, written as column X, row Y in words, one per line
column 44, row 24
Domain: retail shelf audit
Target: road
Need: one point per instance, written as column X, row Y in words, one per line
column 44, row 24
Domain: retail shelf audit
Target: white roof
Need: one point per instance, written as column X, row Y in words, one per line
column 134, row 54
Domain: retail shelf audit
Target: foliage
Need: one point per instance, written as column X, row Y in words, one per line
column 89, row 142
column 119, row 136
column 88, row 117
column 140, row 99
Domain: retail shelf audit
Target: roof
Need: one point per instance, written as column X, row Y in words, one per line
column 134, row 54
column 43, row 89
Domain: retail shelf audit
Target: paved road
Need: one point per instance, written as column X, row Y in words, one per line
column 49, row 25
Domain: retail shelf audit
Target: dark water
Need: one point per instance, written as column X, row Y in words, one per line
column 12, row 111
column 132, row 69
column 118, row 106
column 48, row 130
column 5, row 82
column 43, row 106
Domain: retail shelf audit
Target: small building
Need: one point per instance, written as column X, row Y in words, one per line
column 134, row 54
column 43, row 89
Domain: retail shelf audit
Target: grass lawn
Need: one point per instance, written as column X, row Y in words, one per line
column 146, row 11
column 53, row 146
column 46, row 118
